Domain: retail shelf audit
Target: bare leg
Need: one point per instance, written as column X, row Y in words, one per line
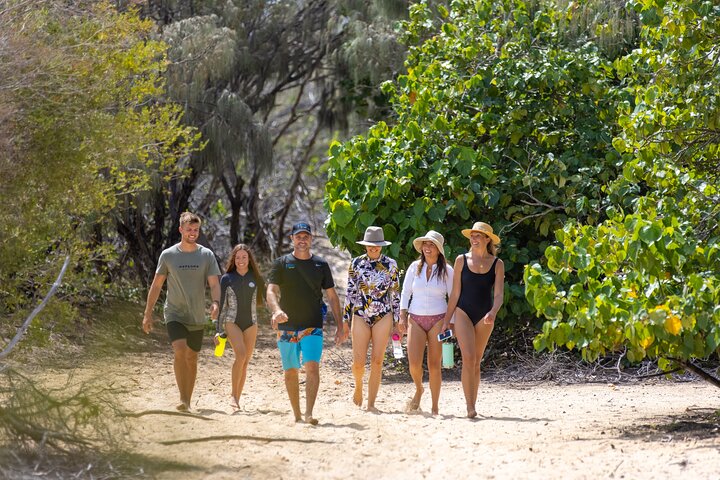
column 185, row 367
column 380, row 333
column 243, row 344
column 312, row 384
column 466, row 339
column 361, row 334
column 434, row 363
column 417, row 338
column 292, row 385
column 237, row 341
column 482, row 335
column 250, row 336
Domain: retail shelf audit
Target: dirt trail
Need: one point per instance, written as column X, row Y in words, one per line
column 525, row 430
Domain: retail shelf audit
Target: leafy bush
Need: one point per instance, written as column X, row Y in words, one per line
column 648, row 278
column 498, row 119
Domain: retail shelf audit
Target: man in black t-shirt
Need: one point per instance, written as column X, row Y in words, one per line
column 294, row 296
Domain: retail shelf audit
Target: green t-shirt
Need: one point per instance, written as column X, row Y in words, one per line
column 187, row 274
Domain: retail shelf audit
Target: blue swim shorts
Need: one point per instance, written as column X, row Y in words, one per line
column 294, row 343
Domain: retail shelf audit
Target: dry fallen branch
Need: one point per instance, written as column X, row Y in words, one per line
column 21, row 331
column 68, row 419
column 163, row 412
column 243, row 437
column 688, row 365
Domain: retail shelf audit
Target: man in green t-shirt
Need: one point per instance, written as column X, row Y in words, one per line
column 186, row 266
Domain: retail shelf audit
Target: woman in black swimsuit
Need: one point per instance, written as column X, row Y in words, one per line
column 238, row 286
column 477, row 294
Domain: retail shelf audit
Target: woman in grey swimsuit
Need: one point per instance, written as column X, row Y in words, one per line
column 477, row 295
column 238, row 288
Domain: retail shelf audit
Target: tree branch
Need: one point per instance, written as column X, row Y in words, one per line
column 687, row 365
column 37, row 310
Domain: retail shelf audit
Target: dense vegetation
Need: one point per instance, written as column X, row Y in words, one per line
column 84, row 134
column 587, row 135
column 585, row 132
column 648, row 276
column 114, row 119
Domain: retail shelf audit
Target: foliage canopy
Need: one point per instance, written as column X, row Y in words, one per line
column 597, row 166
column 79, row 97
column 648, row 277
column 497, row 119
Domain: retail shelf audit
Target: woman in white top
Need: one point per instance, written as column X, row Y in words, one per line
column 426, row 288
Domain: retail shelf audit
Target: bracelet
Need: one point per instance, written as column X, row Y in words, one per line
column 216, row 301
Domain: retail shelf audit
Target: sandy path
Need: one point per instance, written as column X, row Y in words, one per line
column 526, row 430
column 573, row 431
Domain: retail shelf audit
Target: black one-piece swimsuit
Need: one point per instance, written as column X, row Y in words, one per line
column 476, row 292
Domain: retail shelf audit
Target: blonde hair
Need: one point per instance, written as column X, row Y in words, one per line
column 188, row 218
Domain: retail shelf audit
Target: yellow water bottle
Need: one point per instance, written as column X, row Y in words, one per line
column 220, row 347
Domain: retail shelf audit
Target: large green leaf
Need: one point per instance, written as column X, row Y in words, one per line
column 342, row 213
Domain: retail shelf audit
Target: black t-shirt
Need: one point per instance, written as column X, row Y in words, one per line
column 301, row 284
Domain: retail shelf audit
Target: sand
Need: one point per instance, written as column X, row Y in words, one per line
column 656, row 429
column 525, row 430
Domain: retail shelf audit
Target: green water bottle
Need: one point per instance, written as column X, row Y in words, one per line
column 448, row 355
column 220, row 347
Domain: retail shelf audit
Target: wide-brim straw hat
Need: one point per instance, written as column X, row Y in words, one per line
column 374, row 237
column 482, row 227
column 431, row 236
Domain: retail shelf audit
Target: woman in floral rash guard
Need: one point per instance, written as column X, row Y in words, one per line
column 372, row 304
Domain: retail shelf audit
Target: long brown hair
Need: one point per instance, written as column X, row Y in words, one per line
column 440, row 271
column 231, row 267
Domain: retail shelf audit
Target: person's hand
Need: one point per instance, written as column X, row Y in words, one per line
column 341, row 333
column 147, row 323
column 214, row 310
column 216, row 339
column 278, row 317
column 445, row 326
column 489, row 318
column 402, row 327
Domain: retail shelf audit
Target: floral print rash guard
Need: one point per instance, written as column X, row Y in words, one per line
column 373, row 289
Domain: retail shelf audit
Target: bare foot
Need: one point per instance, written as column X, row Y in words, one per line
column 358, row 396
column 234, row 403
column 182, row 407
column 414, row 404
column 310, row 420
column 372, row 409
column 412, row 407
column 472, row 413
column 434, row 411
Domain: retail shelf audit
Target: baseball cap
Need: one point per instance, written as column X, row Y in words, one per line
column 301, row 227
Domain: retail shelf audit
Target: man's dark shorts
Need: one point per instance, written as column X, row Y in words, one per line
column 177, row 330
